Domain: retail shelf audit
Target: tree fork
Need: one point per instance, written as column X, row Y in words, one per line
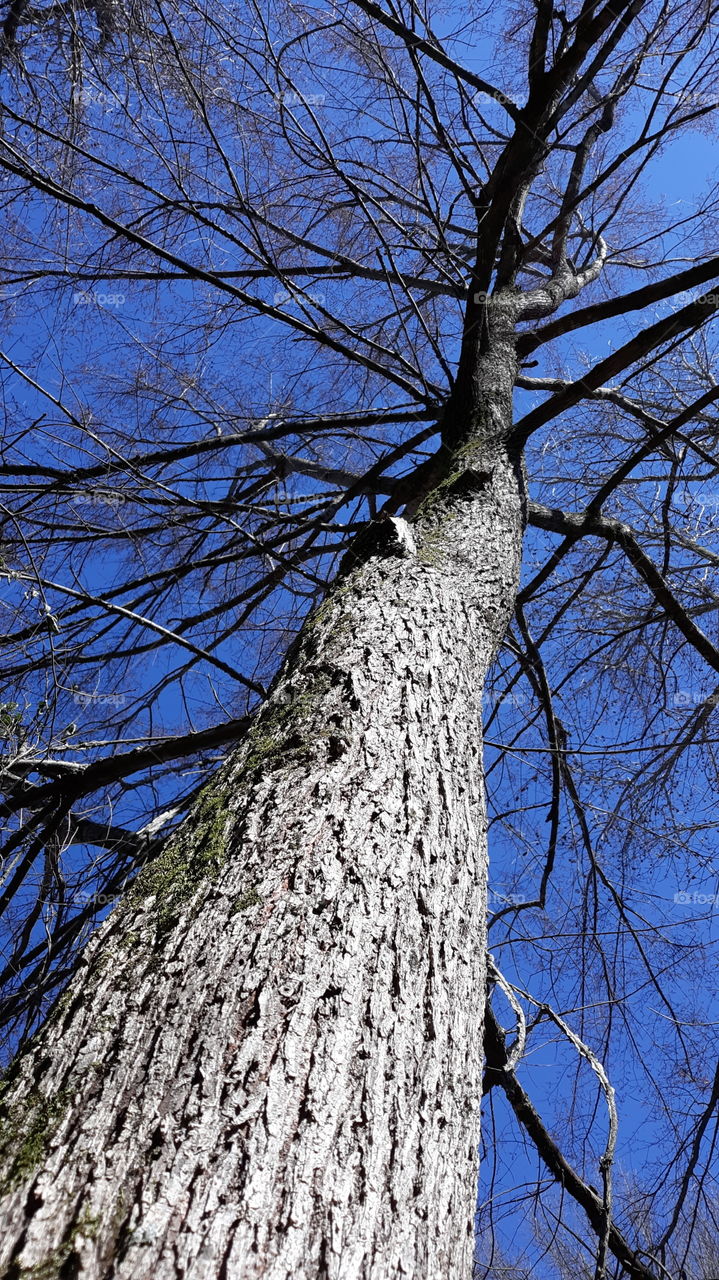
column 269, row 1061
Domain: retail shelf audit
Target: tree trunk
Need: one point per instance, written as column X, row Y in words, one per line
column 269, row 1061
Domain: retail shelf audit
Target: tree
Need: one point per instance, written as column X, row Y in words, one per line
column 268, row 1060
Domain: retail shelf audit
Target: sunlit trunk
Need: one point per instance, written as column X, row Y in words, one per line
column 269, row 1062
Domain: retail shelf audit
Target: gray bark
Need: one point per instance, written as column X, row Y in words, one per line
column 269, row 1061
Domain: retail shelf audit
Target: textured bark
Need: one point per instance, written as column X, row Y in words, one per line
column 269, row 1062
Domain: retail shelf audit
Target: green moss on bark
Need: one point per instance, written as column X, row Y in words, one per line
column 243, row 901
column 192, row 856
column 26, row 1128
column 466, row 461
column 285, row 730
column 278, row 731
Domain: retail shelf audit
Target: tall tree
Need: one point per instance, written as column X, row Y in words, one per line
column 322, row 252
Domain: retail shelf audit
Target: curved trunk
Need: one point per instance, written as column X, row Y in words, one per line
column 269, row 1061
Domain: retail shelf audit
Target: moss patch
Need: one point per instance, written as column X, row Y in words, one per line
column 330, row 617
column 25, row 1131
column 464, row 476
column 243, row 901
column 284, row 731
column 193, row 855
column 277, row 731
